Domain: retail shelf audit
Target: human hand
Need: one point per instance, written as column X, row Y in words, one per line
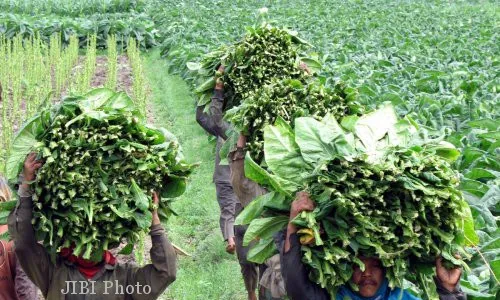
column 448, row 277
column 31, row 165
column 305, row 67
column 219, row 84
column 301, row 203
column 156, row 201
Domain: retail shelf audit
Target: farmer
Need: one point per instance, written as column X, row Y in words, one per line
column 74, row 278
column 246, row 190
column 213, row 124
column 371, row 282
column 14, row 284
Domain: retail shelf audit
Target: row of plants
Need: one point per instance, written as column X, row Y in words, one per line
column 124, row 26
column 35, row 73
column 73, row 8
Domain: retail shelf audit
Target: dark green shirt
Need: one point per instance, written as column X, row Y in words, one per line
column 62, row 280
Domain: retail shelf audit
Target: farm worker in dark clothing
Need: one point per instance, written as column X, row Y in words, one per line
column 14, row 284
column 247, row 190
column 212, row 122
column 371, row 282
column 74, row 278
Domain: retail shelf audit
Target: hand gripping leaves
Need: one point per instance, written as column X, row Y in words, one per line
column 379, row 191
column 102, row 164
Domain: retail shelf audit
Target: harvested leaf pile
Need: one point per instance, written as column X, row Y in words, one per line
column 102, row 164
column 288, row 99
column 379, row 191
column 264, row 53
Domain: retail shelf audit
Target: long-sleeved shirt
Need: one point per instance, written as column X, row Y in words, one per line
column 245, row 189
column 299, row 287
column 62, row 280
column 214, row 124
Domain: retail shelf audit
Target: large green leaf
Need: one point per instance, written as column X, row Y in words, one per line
column 256, row 207
column 282, row 154
column 256, row 173
column 24, row 143
column 316, row 139
column 264, row 228
column 8, row 205
column 372, row 127
column 4, row 236
column 95, row 99
column 141, row 200
column 262, row 251
column 471, row 238
column 174, row 188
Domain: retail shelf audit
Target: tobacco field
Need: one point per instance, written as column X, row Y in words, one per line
column 435, row 63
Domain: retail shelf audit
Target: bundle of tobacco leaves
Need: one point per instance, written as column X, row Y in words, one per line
column 379, row 188
column 288, row 99
column 101, row 167
column 265, row 53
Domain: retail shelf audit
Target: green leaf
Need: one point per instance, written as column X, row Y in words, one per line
column 173, row 188
column 316, row 139
column 256, row 173
column 8, row 205
column 256, row 207
column 95, row 99
column 141, row 200
column 262, row 251
column 24, row 143
column 144, row 219
column 313, row 64
column 264, row 228
column 5, row 236
column 127, row 250
column 193, row 66
column 467, row 221
column 374, row 126
column 282, row 154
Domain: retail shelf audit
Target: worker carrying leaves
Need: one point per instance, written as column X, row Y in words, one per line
column 71, row 277
column 370, row 282
column 212, row 123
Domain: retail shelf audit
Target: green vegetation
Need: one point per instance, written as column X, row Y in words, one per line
column 380, row 191
column 436, row 61
column 123, row 25
column 102, row 165
column 210, row 273
column 73, row 8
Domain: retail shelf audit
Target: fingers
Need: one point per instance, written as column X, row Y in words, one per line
column 156, row 198
column 304, row 202
column 221, row 68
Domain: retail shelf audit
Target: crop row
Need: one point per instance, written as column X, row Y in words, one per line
column 122, row 25
column 70, row 7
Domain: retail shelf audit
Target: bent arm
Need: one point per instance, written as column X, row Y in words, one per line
column 163, row 269
column 213, row 123
column 295, row 274
column 32, row 257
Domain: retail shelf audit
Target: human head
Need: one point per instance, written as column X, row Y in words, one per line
column 5, row 193
column 371, row 279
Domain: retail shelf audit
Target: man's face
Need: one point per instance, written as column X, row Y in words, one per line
column 370, row 280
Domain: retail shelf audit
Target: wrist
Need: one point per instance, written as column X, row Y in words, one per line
column 449, row 287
